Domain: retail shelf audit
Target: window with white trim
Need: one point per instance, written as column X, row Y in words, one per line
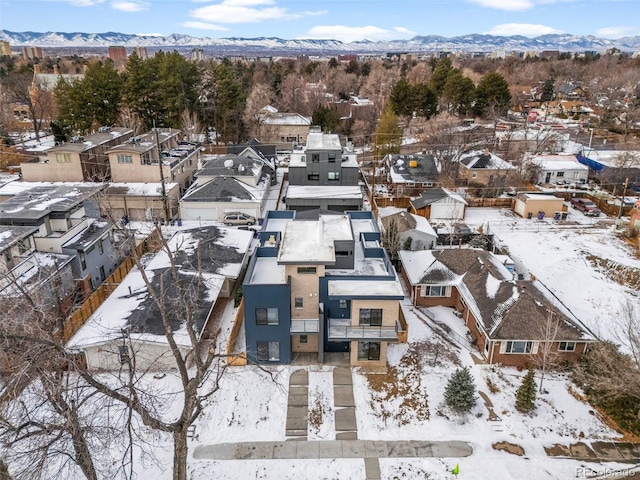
column 124, row 158
column 518, row 347
column 567, row 347
column 299, row 302
column 434, row 291
column 63, row 157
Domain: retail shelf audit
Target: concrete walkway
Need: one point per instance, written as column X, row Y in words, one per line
column 373, row 449
column 298, row 405
column 344, row 404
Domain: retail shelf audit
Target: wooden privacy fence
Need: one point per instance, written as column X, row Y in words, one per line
column 241, row 358
column 79, row 317
column 490, row 202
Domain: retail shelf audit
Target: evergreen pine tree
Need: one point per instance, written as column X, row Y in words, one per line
column 459, row 394
column 526, row 393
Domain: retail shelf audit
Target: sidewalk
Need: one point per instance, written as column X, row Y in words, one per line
column 331, row 449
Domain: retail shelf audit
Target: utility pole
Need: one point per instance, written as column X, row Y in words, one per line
column 165, row 200
column 624, row 192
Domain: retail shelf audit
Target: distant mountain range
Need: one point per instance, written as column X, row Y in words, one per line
column 429, row 43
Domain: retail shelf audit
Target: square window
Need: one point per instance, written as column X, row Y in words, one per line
column 268, row 351
column 299, row 302
column 266, row 316
column 315, row 157
column 368, row 350
column 343, row 304
column 313, row 176
column 304, row 339
column 371, row 317
column 567, row 347
column 332, row 158
column 333, row 176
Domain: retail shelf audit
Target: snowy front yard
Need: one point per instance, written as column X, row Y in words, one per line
column 405, row 404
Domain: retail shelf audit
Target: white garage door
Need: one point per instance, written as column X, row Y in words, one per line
column 193, row 213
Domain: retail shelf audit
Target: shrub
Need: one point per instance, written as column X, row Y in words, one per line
column 526, row 393
column 460, row 394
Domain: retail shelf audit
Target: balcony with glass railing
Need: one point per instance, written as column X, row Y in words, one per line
column 341, row 329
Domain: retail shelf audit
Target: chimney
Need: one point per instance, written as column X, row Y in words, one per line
column 56, row 70
column 486, row 151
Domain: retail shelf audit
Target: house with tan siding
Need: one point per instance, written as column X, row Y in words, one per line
column 322, row 286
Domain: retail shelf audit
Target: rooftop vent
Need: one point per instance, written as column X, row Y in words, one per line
column 228, row 163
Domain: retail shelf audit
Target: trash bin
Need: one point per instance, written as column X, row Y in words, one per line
column 563, row 216
column 529, row 215
column 540, row 215
column 179, row 222
column 556, row 216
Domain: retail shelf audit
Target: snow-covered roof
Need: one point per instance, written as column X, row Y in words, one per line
column 89, row 236
column 377, row 288
column 324, row 191
column 313, row 241
column 10, row 235
column 484, row 160
column 409, row 221
column 138, row 189
column 131, row 308
column 506, row 308
column 33, row 272
column 267, row 270
column 275, row 118
column 90, row 141
column 37, row 202
column 558, row 162
column 227, row 189
column 213, row 249
column 230, row 165
column 434, row 195
column 144, row 142
column 412, row 168
column 612, row 158
column 323, row 141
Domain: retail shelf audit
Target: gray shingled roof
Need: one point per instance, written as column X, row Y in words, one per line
column 507, row 309
column 241, row 166
column 203, row 251
column 220, row 189
column 430, row 196
column 424, row 171
column 146, row 318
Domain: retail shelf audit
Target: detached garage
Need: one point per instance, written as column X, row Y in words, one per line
column 529, row 204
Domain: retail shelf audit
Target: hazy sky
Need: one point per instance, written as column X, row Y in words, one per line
column 345, row 20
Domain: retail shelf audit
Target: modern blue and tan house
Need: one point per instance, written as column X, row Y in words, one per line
column 321, row 285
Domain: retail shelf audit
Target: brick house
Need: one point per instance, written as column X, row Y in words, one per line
column 508, row 319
